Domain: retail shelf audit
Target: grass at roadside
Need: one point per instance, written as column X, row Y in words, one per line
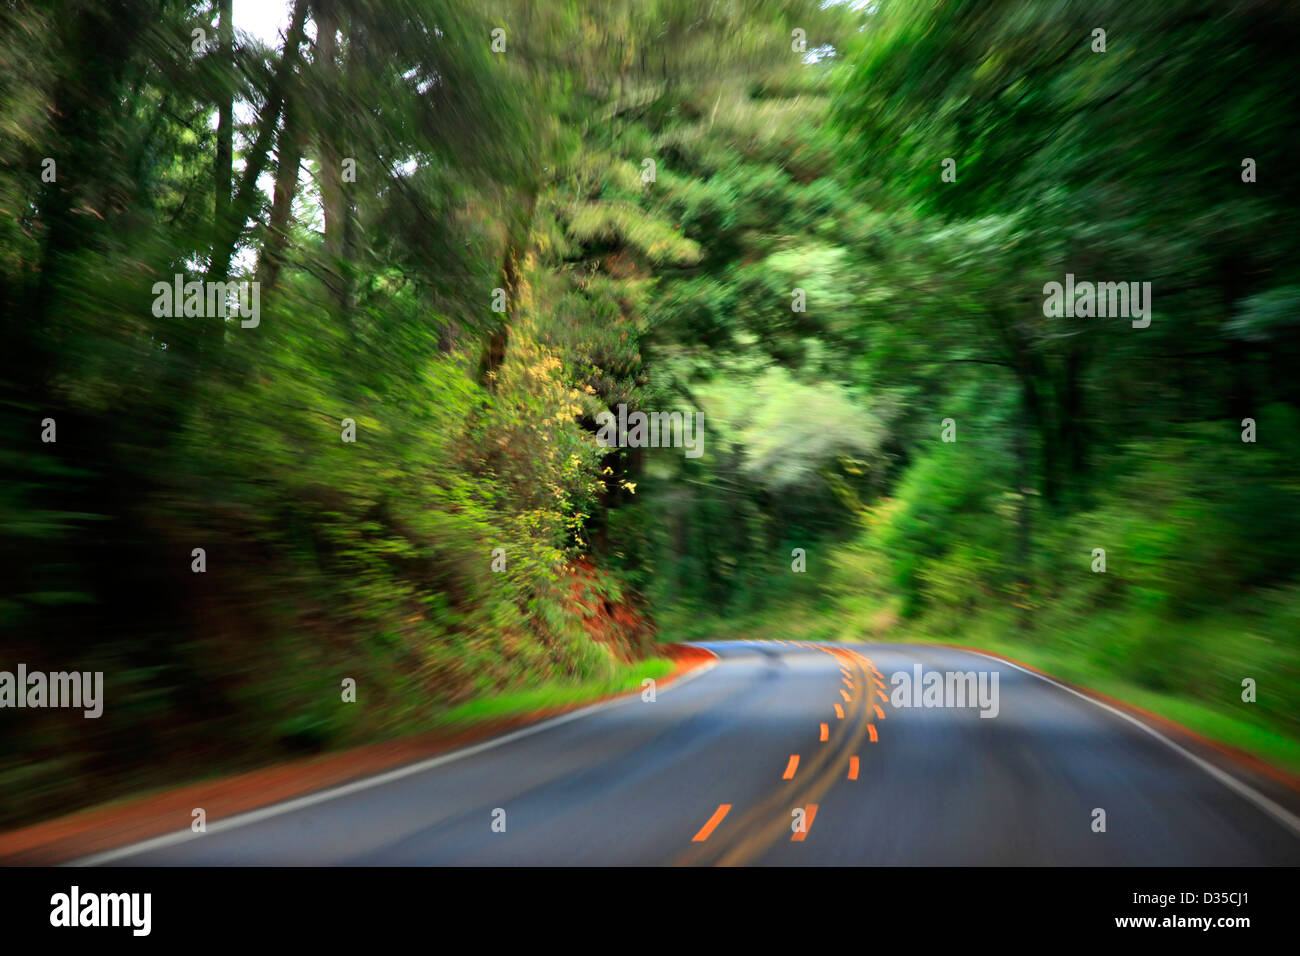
column 151, row 808
column 1213, row 722
column 551, row 695
column 483, row 715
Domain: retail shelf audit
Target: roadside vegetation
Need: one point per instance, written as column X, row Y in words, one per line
column 478, row 228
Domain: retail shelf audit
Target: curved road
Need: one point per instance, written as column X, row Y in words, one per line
column 706, row 774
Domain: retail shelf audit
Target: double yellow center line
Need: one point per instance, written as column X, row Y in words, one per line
column 754, row 832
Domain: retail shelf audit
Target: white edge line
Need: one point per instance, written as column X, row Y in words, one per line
column 1275, row 810
column 298, row 803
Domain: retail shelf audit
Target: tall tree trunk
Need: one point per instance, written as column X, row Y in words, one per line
column 494, row 352
column 225, row 110
column 1234, row 270
column 286, row 187
column 1024, row 519
column 81, row 106
column 331, row 159
column 1072, row 424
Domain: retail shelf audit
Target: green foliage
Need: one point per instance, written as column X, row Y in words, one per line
column 524, row 175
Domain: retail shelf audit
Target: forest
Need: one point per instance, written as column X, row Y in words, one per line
column 322, row 347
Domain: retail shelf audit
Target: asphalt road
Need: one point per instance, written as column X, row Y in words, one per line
column 638, row 782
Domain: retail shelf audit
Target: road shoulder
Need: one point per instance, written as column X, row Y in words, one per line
column 134, row 819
